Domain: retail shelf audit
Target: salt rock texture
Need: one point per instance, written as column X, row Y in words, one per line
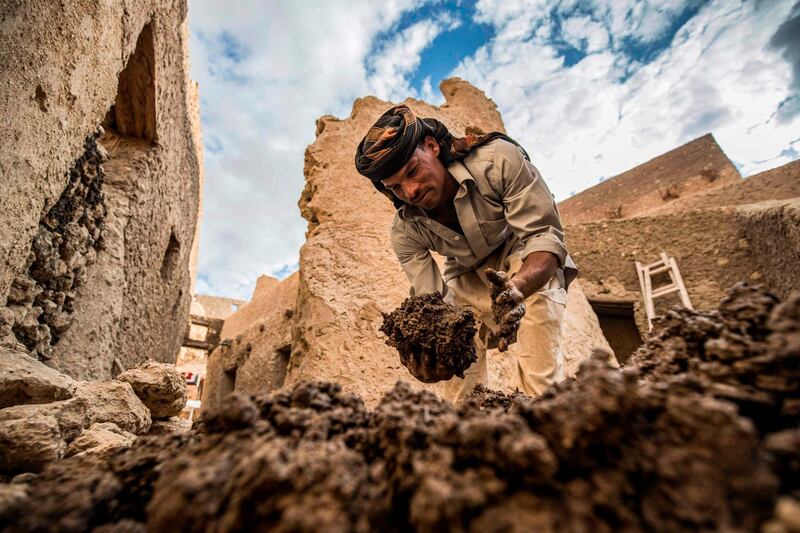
column 123, row 66
column 714, row 248
column 696, row 168
column 115, row 402
column 160, row 387
column 23, row 379
column 349, row 274
column 35, row 434
column 99, row 441
column 659, row 446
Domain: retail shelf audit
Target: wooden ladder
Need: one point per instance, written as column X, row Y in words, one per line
column 645, row 272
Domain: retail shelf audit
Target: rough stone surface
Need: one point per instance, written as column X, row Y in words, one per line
column 23, row 380
column 160, row 387
column 654, row 447
column 169, row 425
column 71, row 415
column 693, row 169
column 28, row 444
column 100, row 441
column 116, row 402
column 426, row 324
column 122, row 65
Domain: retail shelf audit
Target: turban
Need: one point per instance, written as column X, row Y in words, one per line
column 390, row 142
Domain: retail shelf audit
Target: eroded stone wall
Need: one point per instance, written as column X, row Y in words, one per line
column 122, row 65
column 41, row 301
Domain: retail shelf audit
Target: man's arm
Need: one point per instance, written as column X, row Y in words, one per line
column 531, row 211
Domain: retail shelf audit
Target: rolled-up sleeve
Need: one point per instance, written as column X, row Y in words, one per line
column 530, row 209
column 416, row 260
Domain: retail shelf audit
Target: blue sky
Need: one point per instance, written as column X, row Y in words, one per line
column 589, row 87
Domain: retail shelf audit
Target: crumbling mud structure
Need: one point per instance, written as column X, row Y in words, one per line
column 720, row 229
column 101, row 168
column 349, row 275
column 700, row 432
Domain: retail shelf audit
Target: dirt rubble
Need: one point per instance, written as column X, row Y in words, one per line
column 427, row 323
column 699, row 433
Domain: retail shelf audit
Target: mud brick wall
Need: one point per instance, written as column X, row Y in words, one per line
column 122, row 66
column 694, row 168
column 714, row 249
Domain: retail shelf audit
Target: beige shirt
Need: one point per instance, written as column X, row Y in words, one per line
column 501, row 195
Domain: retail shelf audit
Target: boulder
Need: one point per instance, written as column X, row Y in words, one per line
column 160, row 387
column 169, row 425
column 100, row 441
column 29, row 444
column 114, row 401
column 71, row 415
column 25, row 380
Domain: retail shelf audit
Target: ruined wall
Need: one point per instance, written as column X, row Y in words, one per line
column 714, row 248
column 256, row 345
column 348, row 274
column 64, row 73
column 780, row 183
column 694, row 168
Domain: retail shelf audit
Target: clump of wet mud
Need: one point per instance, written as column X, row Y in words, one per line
column 655, row 446
column 427, row 324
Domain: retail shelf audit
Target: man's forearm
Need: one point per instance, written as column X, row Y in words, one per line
column 537, row 269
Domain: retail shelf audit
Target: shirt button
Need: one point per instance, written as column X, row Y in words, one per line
column 427, row 221
column 458, row 238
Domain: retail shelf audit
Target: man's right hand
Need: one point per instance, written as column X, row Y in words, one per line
column 426, row 367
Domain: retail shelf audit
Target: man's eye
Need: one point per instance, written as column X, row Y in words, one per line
column 413, row 170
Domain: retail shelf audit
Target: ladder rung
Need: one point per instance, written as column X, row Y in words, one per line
column 661, row 291
column 660, row 269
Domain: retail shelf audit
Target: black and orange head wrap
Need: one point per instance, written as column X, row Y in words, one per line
column 390, row 142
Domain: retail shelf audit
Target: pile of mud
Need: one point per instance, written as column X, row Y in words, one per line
column 427, row 324
column 666, row 445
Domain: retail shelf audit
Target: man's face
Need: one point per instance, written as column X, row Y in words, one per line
column 421, row 181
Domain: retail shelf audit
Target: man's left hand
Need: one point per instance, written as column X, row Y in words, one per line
column 507, row 306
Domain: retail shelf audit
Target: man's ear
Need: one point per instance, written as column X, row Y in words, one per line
column 432, row 145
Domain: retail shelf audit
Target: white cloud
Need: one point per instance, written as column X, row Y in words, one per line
column 589, row 120
column 267, row 71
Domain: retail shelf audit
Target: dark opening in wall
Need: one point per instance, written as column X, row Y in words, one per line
column 134, row 111
column 282, row 355
column 171, row 257
column 619, row 327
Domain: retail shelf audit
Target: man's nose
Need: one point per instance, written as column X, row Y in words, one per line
column 410, row 189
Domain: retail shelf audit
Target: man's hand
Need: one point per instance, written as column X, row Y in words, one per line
column 507, row 306
column 425, row 367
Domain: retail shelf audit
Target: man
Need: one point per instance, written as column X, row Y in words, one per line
column 480, row 203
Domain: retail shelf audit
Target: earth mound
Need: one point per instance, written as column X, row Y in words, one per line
column 427, row 324
column 668, row 444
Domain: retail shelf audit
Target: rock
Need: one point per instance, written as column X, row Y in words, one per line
column 25, row 380
column 11, row 495
column 70, row 414
column 29, row 444
column 114, row 401
column 100, row 441
column 160, row 387
column 169, row 425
